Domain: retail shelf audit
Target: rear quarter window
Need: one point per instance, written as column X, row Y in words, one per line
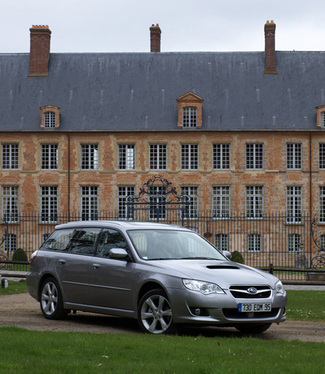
column 59, row 240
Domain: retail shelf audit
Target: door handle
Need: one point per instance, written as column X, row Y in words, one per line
column 62, row 262
column 96, row 266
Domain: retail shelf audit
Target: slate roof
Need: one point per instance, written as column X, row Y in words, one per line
column 138, row 91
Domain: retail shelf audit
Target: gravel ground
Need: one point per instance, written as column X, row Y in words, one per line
column 23, row 311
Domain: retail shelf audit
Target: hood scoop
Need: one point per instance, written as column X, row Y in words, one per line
column 219, row 267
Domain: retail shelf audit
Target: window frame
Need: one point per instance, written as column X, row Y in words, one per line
column 89, row 156
column 254, row 156
column 49, row 204
column 294, row 156
column 49, row 156
column 10, row 198
column 126, row 161
column 294, row 204
column 10, row 156
column 122, row 208
column 158, row 156
column 89, row 204
column 254, row 243
column 221, row 156
column 189, row 156
column 254, row 202
column 221, row 196
column 193, row 193
column 190, row 116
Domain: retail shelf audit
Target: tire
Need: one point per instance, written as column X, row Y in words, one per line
column 253, row 328
column 155, row 314
column 51, row 300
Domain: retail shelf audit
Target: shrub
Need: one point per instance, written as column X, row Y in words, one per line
column 237, row 257
column 19, row 255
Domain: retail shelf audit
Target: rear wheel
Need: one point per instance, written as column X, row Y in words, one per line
column 155, row 313
column 253, row 328
column 51, row 300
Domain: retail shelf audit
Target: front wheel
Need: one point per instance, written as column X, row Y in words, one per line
column 253, row 328
column 51, row 300
column 155, row 313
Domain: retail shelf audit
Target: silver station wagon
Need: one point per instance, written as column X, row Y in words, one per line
column 161, row 275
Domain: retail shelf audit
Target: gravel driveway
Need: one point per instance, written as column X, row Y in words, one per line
column 23, row 311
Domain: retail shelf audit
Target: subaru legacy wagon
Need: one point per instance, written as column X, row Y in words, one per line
column 161, row 275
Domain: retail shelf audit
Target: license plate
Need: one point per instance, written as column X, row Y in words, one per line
column 254, row 307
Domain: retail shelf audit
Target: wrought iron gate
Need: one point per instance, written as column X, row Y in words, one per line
column 158, row 201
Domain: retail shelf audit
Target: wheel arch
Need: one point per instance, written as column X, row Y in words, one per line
column 148, row 286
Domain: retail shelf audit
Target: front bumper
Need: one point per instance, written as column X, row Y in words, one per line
column 222, row 309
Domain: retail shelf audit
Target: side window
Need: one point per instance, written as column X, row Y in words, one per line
column 59, row 240
column 109, row 239
column 84, row 241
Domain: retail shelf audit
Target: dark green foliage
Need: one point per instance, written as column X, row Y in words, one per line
column 19, row 255
column 237, row 257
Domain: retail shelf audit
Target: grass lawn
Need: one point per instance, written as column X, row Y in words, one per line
column 25, row 351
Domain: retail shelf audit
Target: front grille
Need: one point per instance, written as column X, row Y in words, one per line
column 234, row 314
column 242, row 292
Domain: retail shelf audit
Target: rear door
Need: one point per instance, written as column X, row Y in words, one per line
column 112, row 280
column 75, row 263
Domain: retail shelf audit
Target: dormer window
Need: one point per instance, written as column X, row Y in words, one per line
column 50, row 116
column 320, row 116
column 49, row 119
column 189, row 110
column 189, row 116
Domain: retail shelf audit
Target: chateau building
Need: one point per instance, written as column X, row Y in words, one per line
column 235, row 131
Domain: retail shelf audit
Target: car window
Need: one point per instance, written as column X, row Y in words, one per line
column 59, row 240
column 109, row 239
column 84, row 241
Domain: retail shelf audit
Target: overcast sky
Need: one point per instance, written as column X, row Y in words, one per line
column 187, row 25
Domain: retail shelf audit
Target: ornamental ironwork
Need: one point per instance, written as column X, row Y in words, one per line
column 157, row 196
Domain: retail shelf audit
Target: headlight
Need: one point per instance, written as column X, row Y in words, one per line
column 279, row 287
column 204, row 287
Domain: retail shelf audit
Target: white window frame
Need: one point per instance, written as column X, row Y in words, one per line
column 189, row 116
column 254, row 242
column 89, row 203
column 10, row 244
column 10, row 156
column 294, row 204
column 126, row 156
column 221, row 202
column 322, row 156
column 10, row 212
column 193, row 193
column 294, row 242
column 254, row 202
column 222, row 241
column 254, row 156
column 123, row 193
column 49, row 204
column 189, row 156
column 294, row 156
column 221, row 156
column 49, row 119
column 49, row 156
column 157, row 156
column 322, row 204
column 89, row 156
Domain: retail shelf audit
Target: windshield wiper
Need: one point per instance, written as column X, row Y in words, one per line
column 200, row 258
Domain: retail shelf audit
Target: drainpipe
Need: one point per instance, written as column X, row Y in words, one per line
column 310, row 194
column 69, row 176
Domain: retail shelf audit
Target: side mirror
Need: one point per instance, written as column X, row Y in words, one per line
column 118, row 254
column 226, row 254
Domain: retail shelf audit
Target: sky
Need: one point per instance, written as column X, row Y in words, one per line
column 187, row 25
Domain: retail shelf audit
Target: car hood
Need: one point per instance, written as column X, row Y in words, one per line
column 224, row 273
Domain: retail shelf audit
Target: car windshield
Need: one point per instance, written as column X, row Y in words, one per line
column 172, row 244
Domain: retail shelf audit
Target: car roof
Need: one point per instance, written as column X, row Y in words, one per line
column 126, row 225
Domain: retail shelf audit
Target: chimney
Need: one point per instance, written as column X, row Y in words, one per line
column 269, row 31
column 40, row 37
column 155, row 38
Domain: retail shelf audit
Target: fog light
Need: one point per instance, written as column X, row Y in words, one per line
column 197, row 311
